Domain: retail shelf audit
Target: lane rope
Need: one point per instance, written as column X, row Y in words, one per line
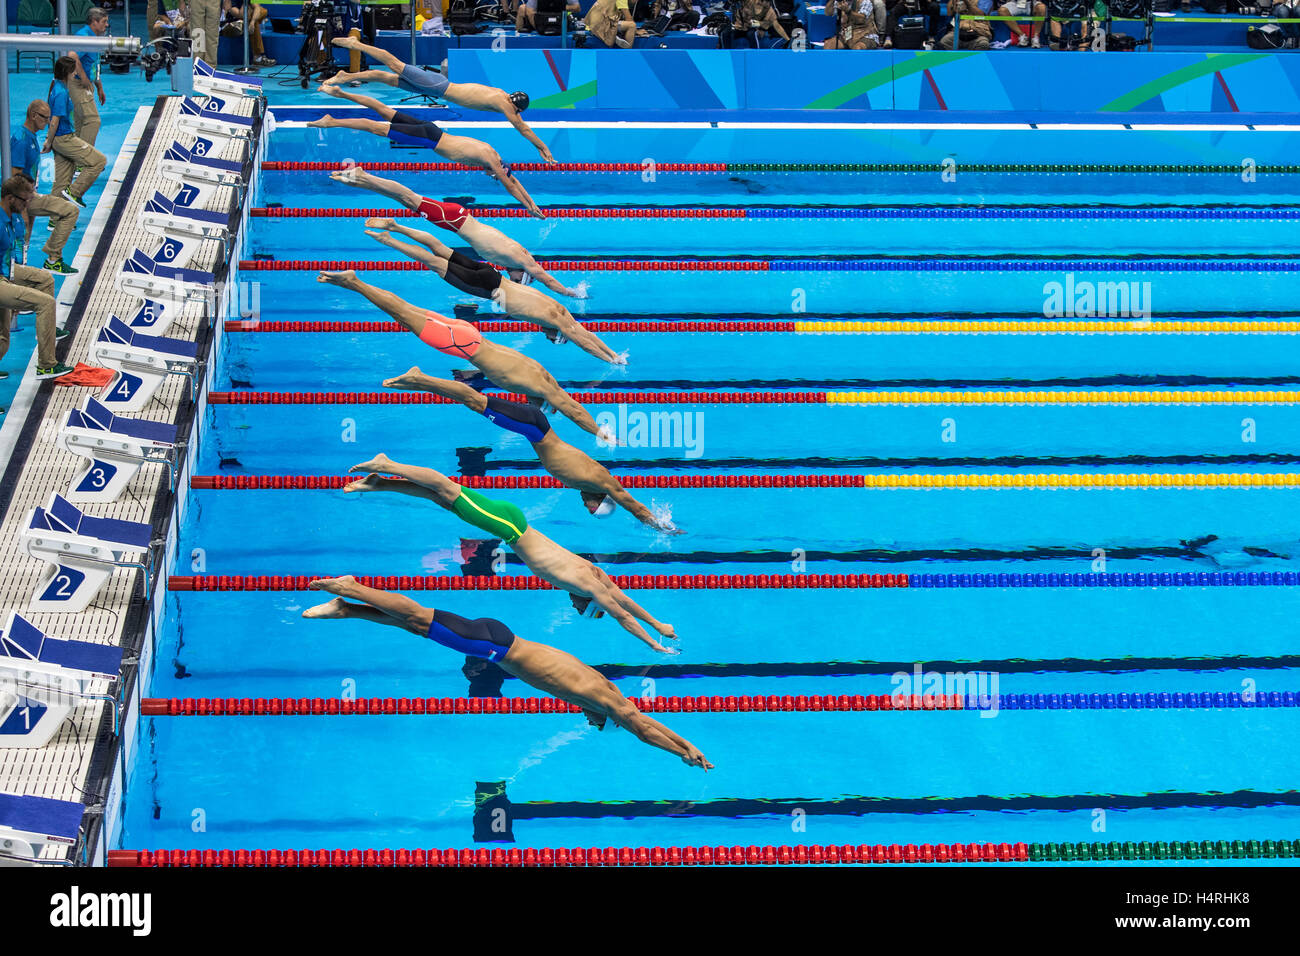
column 716, row 704
column 722, row 855
column 930, row 168
column 1099, row 481
column 964, row 580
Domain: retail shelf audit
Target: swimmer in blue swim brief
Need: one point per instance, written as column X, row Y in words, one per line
column 600, row 490
column 472, row 96
column 410, row 131
column 548, row 669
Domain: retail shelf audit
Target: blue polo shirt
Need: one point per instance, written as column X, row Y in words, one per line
column 13, row 230
column 89, row 61
column 24, row 152
column 61, row 106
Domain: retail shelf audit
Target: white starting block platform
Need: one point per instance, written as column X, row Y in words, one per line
column 28, row 824
column 201, row 119
column 209, row 81
column 141, row 363
column 114, row 448
column 43, row 678
column 82, row 553
column 186, row 164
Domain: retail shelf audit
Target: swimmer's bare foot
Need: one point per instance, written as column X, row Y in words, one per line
column 380, row 463
column 346, row 280
column 330, row 89
column 413, row 378
column 340, row 585
column 348, row 43
column 337, row 608
column 325, row 122
column 385, row 237
column 381, row 222
column 368, row 483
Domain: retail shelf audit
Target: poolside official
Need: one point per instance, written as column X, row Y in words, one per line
column 25, row 153
column 86, row 86
column 22, row 287
column 205, row 28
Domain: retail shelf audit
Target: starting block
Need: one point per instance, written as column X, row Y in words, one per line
column 82, row 552
column 28, row 824
column 141, row 362
column 114, row 448
column 209, row 81
column 46, row 677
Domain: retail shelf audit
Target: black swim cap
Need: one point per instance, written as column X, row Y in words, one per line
column 520, row 99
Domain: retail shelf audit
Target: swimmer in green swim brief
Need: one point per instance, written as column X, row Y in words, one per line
column 556, row 565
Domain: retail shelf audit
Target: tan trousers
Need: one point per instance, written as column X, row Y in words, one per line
column 85, row 111
column 63, row 219
column 30, row 288
column 70, row 152
column 205, row 25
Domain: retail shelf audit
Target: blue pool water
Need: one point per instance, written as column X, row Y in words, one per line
column 780, row 778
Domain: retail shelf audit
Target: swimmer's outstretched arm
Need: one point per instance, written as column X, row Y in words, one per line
column 650, row 731
column 629, row 623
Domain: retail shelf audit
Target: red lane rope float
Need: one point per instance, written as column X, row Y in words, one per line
column 502, row 482
column 259, row 325
column 526, row 582
column 578, row 856
column 551, row 265
column 416, row 706
column 301, row 166
column 587, row 398
column 511, row 212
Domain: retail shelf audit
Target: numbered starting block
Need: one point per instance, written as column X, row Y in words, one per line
column 154, row 277
column 114, row 449
column 82, row 553
column 141, row 362
column 186, row 165
column 209, row 81
column 45, row 678
column 165, row 218
column 28, row 824
column 199, row 119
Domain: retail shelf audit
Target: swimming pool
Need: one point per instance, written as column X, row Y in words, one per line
column 1112, row 606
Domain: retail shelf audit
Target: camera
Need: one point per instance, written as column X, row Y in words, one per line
column 321, row 22
column 163, row 55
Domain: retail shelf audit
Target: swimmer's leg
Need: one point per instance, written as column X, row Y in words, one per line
column 385, row 187
column 427, row 483
column 417, row 381
column 363, row 76
column 374, row 52
column 379, row 607
column 369, row 102
column 365, row 125
column 413, row 317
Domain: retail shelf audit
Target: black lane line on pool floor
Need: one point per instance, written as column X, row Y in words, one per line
column 858, row 806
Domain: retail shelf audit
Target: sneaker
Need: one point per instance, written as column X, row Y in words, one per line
column 59, row 266
column 1023, row 41
column 57, row 370
column 263, row 61
column 1001, row 44
column 77, row 199
column 61, row 334
column 3, row 375
column 1035, row 42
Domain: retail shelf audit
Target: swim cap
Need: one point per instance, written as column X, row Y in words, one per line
column 520, row 99
column 605, row 508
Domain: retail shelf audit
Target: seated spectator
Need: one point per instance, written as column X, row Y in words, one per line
column 756, row 19
column 525, row 16
column 1065, row 13
column 919, row 19
column 233, row 26
column 855, row 25
column 174, row 16
column 975, row 34
column 1020, row 8
column 610, row 21
column 672, row 15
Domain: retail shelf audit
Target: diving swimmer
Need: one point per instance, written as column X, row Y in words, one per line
column 549, row 669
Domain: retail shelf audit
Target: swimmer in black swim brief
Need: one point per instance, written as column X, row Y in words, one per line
column 548, row 669
column 457, row 149
column 573, row 467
